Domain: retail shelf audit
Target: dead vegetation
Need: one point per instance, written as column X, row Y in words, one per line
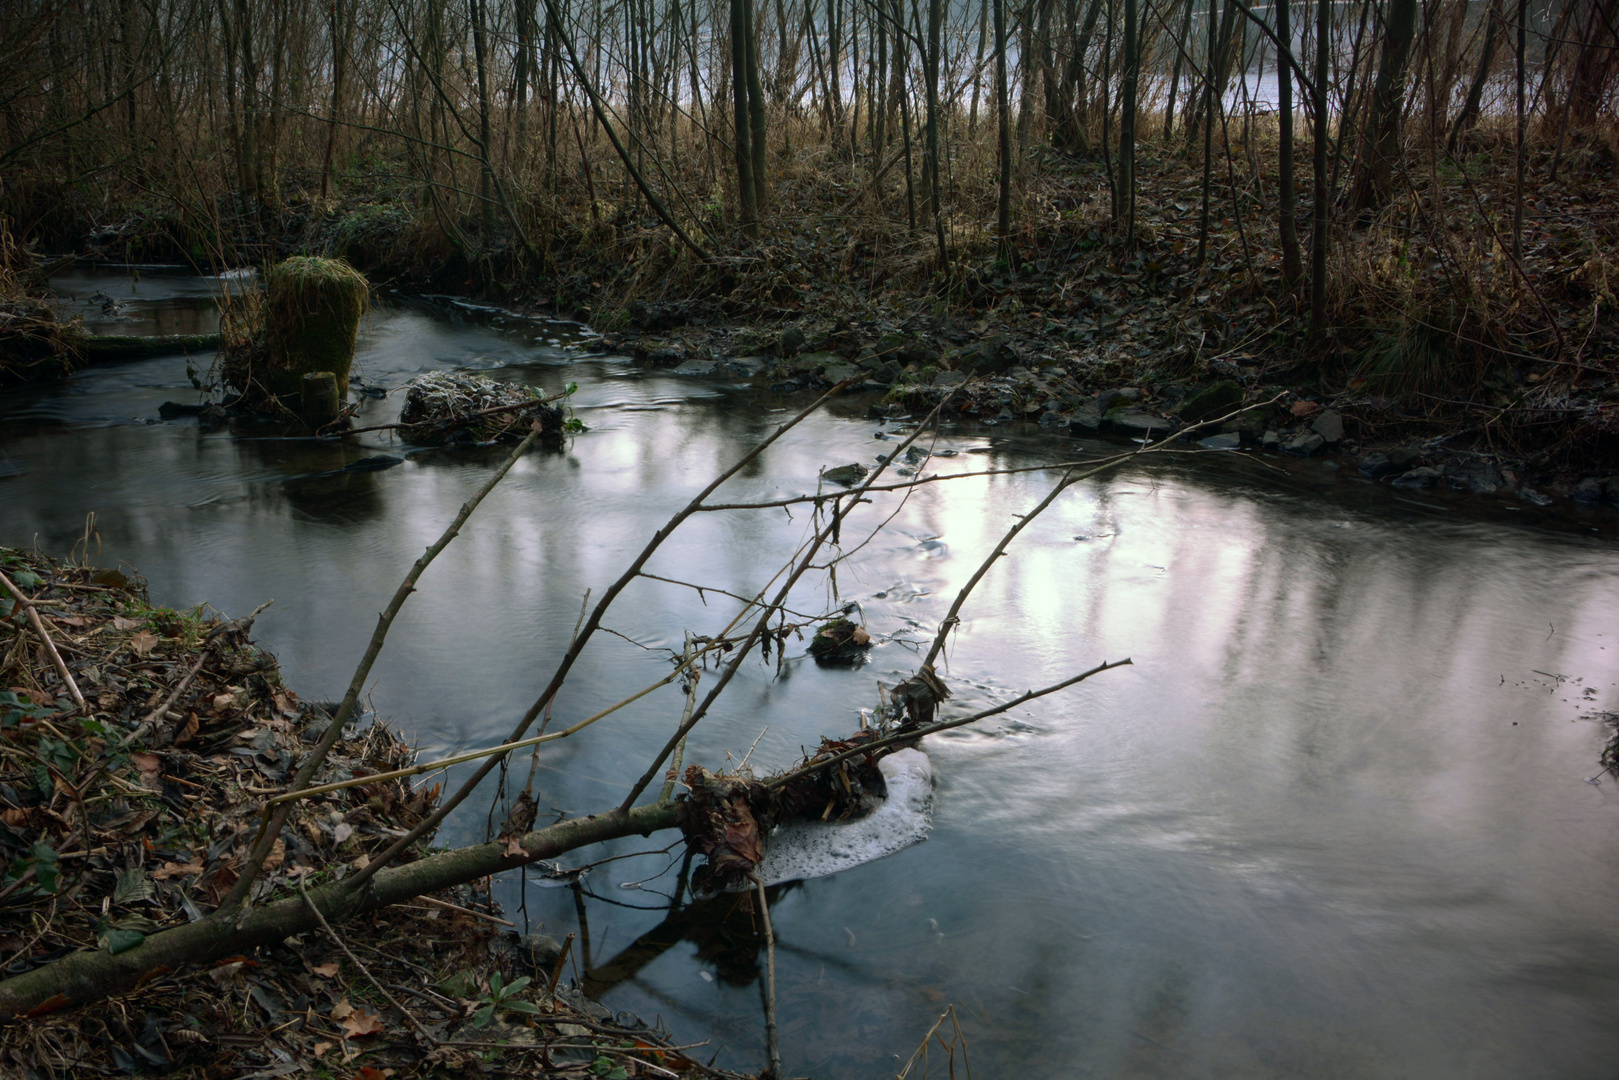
column 36, row 345
column 446, row 407
column 136, row 812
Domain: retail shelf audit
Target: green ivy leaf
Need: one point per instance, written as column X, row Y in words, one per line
column 45, row 868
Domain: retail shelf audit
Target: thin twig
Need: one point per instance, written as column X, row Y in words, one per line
column 561, row 961
column 271, row 823
column 912, row 734
column 50, row 646
column 771, row 1043
column 693, row 675
column 421, row 1029
column 474, row 755
column 447, row 906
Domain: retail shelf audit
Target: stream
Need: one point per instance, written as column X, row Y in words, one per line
column 1341, row 817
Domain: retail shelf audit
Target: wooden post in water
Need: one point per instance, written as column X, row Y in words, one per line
column 318, row 401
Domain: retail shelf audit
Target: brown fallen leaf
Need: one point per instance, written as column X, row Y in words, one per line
column 342, row 1010
column 224, row 701
column 361, row 1023
column 277, row 854
column 325, row 971
column 228, row 974
column 321, row 1048
column 174, row 870
column 188, row 730
column 150, row 766
column 514, row 846
column 121, row 623
column 143, row 642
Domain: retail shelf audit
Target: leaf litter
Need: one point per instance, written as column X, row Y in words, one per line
column 134, row 814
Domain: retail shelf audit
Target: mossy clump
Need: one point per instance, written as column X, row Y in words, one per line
column 312, row 309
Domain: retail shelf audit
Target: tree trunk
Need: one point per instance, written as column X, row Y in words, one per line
column 1003, row 201
column 339, row 34
column 1380, row 141
column 741, row 125
column 935, row 173
column 756, row 106
column 1182, row 48
column 1127, row 125
column 1594, row 67
column 1475, row 92
column 1323, row 206
column 1287, row 205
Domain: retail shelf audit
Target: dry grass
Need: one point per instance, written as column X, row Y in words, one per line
column 35, row 345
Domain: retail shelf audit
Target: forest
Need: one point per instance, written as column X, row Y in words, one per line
column 1365, row 240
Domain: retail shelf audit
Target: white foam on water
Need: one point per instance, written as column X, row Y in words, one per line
column 811, row 849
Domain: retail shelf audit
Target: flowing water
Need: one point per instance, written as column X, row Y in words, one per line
column 1339, row 818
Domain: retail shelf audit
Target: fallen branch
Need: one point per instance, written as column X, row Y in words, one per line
column 91, row 975
column 913, row 734
column 275, row 818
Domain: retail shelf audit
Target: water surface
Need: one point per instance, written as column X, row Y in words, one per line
column 1335, row 820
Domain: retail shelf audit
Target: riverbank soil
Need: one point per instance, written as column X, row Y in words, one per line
column 131, row 812
column 1449, row 354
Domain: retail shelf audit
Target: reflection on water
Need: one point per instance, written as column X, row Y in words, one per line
column 1335, row 820
column 145, row 300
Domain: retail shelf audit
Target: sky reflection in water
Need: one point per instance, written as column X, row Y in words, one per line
column 1333, row 822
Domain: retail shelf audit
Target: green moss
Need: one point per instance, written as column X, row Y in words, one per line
column 312, row 314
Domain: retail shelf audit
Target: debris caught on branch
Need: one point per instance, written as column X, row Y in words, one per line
column 729, row 816
column 444, row 407
column 840, row 640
